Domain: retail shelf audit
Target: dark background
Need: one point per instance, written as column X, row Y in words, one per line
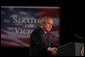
column 71, row 22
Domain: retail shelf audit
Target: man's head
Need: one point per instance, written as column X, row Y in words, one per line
column 47, row 23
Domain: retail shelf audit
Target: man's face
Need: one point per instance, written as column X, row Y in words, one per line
column 48, row 25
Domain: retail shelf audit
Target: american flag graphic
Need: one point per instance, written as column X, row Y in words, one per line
column 13, row 17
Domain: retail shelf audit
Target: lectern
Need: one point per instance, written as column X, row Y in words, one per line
column 71, row 49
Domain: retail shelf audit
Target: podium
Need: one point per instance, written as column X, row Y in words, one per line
column 71, row 49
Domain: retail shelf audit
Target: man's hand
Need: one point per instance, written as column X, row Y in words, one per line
column 53, row 50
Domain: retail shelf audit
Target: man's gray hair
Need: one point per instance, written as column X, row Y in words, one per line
column 45, row 19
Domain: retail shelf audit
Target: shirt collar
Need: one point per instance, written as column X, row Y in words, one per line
column 43, row 29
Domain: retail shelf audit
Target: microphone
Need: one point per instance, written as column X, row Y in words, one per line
column 78, row 37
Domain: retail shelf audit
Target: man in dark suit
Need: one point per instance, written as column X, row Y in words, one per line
column 40, row 41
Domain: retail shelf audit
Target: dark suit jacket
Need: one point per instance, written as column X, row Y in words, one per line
column 39, row 43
